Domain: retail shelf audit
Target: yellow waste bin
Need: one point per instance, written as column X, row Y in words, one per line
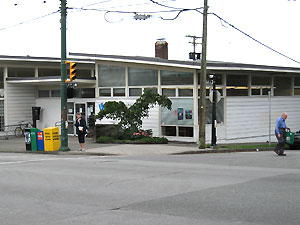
column 51, row 139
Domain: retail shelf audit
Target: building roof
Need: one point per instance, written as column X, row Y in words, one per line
column 211, row 65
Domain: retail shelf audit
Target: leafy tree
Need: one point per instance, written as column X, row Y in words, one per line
column 130, row 118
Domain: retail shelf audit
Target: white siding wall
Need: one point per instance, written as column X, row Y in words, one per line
column 50, row 112
column 19, row 102
column 249, row 117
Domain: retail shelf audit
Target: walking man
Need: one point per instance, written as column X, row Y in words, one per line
column 280, row 134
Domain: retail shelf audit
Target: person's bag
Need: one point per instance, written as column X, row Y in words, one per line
column 80, row 128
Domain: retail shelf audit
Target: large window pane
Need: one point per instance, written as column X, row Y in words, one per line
column 261, row 80
column 237, row 80
column 142, row 77
column 176, row 78
column 182, row 113
column 48, row 72
column 282, row 86
column 20, row 72
column 297, row 81
column 111, row 76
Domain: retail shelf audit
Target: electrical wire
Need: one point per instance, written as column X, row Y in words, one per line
column 28, row 21
column 170, row 7
column 252, row 38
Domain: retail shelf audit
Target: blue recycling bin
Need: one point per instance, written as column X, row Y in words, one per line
column 40, row 141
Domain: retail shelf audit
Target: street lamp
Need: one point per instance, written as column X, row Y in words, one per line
column 212, row 78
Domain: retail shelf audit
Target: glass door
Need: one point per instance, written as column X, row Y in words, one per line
column 70, row 118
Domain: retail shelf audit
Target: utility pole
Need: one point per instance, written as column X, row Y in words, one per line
column 202, row 105
column 63, row 86
column 193, row 55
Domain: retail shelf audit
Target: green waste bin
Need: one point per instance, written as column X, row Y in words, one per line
column 290, row 137
column 33, row 137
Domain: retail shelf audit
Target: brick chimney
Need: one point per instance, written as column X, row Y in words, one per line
column 161, row 49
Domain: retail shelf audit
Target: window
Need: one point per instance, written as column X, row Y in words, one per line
column 237, row 85
column 135, row 91
column 186, row 131
column 142, row 77
column 55, row 93
column 185, row 92
column 111, row 76
column 260, row 85
column 85, row 92
column 1, row 78
column 297, row 86
column 20, row 72
column 168, row 130
column 169, row 92
column 48, row 72
column 282, row 86
column 105, row 92
column 43, row 93
column 176, row 78
column 119, row 92
column 297, row 91
column 260, row 80
column 297, row 81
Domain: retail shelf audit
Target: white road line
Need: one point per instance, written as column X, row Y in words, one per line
column 25, row 161
column 49, row 159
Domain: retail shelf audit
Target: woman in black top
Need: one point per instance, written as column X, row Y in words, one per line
column 80, row 125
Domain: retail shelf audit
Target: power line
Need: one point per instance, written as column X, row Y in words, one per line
column 28, row 21
column 254, row 39
column 170, row 7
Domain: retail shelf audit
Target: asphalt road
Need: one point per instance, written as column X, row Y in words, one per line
column 231, row 188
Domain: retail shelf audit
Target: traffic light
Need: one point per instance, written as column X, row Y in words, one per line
column 72, row 72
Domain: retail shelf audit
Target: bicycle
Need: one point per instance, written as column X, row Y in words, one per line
column 20, row 128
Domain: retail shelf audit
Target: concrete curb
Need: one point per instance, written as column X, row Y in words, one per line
column 206, row 151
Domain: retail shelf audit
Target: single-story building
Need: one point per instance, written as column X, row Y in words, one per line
column 244, row 106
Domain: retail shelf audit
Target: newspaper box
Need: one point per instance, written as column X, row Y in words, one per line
column 51, row 139
column 40, row 141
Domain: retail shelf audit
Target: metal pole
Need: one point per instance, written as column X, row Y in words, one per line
column 214, row 114
column 269, row 94
column 63, row 87
column 202, row 102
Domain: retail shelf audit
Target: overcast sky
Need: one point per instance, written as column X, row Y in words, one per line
column 275, row 23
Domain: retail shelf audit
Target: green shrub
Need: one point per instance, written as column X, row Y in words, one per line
column 144, row 140
column 104, row 139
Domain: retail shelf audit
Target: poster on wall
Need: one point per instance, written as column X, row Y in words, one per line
column 180, row 113
column 188, row 114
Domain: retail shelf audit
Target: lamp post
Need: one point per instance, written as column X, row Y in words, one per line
column 214, row 111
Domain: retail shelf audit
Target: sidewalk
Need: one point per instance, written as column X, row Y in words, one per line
column 17, row 145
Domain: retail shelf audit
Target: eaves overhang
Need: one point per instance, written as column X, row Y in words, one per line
column 211, row 65
column 45, row 80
